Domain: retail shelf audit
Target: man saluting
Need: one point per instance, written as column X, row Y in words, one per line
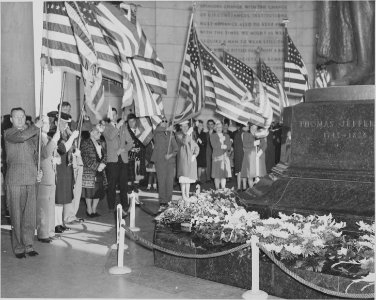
column 21, row 148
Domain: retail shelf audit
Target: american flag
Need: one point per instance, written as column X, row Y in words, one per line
column 145, row 130
column 58, row 42
column 191, row 81
column 139, row 62
column 91, row 73
column 295, row 72
column 273, row 88
column 258, row 109
column 108, row 56
column 322, row 77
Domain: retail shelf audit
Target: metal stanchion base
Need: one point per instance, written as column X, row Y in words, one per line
column 134, row 228
column 114, row 247
column 250, row 295
column 119, row 270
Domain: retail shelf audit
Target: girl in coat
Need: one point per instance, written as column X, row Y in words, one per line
column 186, row 158
column 221, row 167
column 201, row 158
column 248, row 171
column 94, row 179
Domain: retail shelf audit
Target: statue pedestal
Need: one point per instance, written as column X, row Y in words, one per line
column 332, row 158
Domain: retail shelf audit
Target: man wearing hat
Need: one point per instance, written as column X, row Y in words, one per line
column 21, row 178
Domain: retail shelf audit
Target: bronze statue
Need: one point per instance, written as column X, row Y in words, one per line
column 346, row 41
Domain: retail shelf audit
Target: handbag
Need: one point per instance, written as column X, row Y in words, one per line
column 99, row 177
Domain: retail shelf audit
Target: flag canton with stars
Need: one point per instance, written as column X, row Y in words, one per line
column 87, row 11
column 293, row 54
column 268, row 76
column 207, row 60
column 192, row 49
column 57, row 8
column 240, row 70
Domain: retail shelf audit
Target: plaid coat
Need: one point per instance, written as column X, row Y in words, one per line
column 91, row 162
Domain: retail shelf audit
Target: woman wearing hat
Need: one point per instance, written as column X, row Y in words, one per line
column 186, row 158
column 94, row 179
column 64, row 171
column 221, row 167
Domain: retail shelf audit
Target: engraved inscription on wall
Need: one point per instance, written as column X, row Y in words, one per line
column 243, row 27
column 340, row 129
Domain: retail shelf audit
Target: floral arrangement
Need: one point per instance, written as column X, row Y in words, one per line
column 307, row 242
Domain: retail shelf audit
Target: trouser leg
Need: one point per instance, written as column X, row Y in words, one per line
column 113, row 174
column 28, row 208
column 124, row 185
column 51, row 211
column 14, row 197
column 169, row 184
column 43, row 211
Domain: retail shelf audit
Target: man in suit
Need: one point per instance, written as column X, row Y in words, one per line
column 119, row 143
column 21, row 178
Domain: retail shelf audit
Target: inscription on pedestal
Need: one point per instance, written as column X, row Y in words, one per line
column 333, row 136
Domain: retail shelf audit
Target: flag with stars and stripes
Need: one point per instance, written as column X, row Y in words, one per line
column 191, row 86
column 139, row 63
column 58, row 42
column 108, row 56
column 258, row 106
column 273, row 88
column 295, row 72
column 322, row 77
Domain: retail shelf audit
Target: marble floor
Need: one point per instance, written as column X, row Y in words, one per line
column 77, row 265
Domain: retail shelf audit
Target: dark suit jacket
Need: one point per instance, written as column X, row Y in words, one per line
column 21, row 149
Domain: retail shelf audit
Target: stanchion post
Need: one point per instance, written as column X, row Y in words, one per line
column 120, row 268
column 255, row 293
column 132, row 217
column 119, row 210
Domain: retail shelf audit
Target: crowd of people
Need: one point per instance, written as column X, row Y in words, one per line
column 46, row 176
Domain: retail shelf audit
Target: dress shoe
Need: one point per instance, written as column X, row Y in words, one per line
column 59, row 229
column 47, row 240
column 96, row 214
column 90, row 215
column 21, row 255
column 32, row 253
column 65, row 228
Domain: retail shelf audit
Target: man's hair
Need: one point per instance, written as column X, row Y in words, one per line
column 64, row 103
column 226, row 121
column 200, row 121
column 17, row 109
column 210, row 120
column 114, row 109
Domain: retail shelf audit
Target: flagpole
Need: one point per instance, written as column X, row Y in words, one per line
column 181, row 74
column 80, row 122
column 42, row 63
column 61, row 100
column 285, row 48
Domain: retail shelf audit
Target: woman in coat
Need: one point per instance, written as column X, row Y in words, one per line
column 201, row 158
column 238, row 154
column 186, row 158
column 249, row 171
column 64, row 171
column 94, row 157
column 221, row 167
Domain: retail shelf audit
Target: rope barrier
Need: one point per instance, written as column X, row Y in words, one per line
column 181, row 254
column 310, row 284
column 247, row 245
